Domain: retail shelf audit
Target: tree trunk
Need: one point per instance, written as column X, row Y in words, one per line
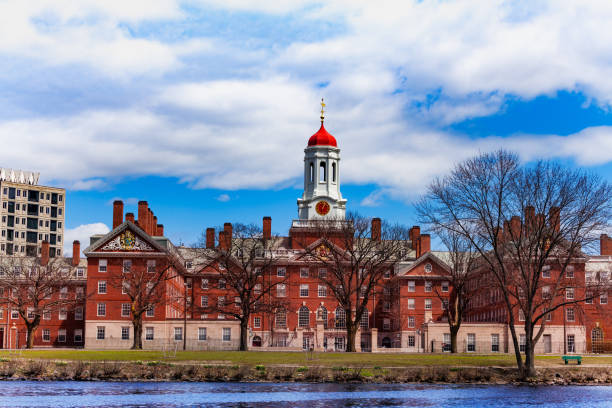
column 529, row 367
column 454, row 330
column 350, row 337
column 517, row 351
column 137, row 323
column 244, row 334
column 31, row 329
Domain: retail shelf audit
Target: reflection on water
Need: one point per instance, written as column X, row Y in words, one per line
column 105, row 394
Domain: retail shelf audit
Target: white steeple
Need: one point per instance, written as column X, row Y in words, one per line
column 322, row 198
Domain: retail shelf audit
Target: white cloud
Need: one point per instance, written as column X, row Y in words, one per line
column 223, row 198
column 82, row 234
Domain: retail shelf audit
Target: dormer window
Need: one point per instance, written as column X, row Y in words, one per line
column 322, row 172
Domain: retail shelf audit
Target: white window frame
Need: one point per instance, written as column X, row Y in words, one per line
column 101, row 307
column 103, row 265
column 304, row 290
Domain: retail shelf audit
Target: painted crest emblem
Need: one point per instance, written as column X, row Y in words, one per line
column 127, row 240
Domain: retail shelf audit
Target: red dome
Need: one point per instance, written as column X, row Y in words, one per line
column 322, row 138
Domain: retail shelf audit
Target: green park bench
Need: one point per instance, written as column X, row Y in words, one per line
column 566, row 359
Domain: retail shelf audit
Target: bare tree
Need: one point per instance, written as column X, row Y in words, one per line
column 462, row 269
column 243, row 260
column 147, row 286
column 554, row 212
column 356, row 253
column 35, row 287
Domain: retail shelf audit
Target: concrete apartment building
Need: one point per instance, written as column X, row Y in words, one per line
column 30, row 214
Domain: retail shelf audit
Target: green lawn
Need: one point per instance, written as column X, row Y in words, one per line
column 297, row 358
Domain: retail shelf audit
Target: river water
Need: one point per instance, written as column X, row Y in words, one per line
column 108, row 394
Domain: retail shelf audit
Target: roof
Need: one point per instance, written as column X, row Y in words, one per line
column 322, row 138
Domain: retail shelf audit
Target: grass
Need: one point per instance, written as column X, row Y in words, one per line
column 299, row 359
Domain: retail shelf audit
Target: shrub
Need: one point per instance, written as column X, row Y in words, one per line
column 35, row 368
column 260, row 367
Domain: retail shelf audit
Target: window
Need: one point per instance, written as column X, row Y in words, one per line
column 201, row 333
column 101, row 309
column 444, row 304
column 387, row 274
column 322, row 172
column 125, row 287
column 569, row 271
column 257, row 322
column 102, row 264
column 548, row 316
column 102, row 287
column 188, row 283
column 204, row 284
column 221, row 301
column 63, row 314
column 322, row 273
column 178, row 333
column 304, row 317
column 571, row 343
column 125, row 333
column 411, row 286
column 546, row 292
column 322, row 291
column 78, row 335
column 227, row 334
column 46, row 335
column 312, row 172
column 363, row 291
column 281, row 290
column 411, row 341
column 280, row 320
column 386, row 306
column 127, row 266
column 428, row 268
column 546, row 271
column 445, row 286
column 340, row 318
column 61, row 336
column 100, row 332
column 304, row 290
column 80, row 272
column 495, row 343
column 125, row 309
column 47, row 315
column 428, row 286
column 78, row 313
column 257, row 288
column 569, row 314
column 334, row 172
column 150, row 311
column 411, row 322
column 151, row 266
column 603, row 299
column 149, row 333
column 303, row 272
column 521, row 315
column 471, row 342
column 204, row 301
column 427, row 304
column 221, row 283
column 569, row 293
column 30, row 313
column 589, row 298
column 364, row 322
column 281, row 272
column 386, row 324
column 411, row 304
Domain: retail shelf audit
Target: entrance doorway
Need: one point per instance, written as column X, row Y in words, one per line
column 256, row 341
column 597, row 336
column 547, row 343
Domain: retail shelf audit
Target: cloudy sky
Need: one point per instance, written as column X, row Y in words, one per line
column 204, row 107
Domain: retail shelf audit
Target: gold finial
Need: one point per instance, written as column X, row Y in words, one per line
column 322, row 111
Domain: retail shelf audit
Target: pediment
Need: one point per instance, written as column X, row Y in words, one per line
column 126, row 238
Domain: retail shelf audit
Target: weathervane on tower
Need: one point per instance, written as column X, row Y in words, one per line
column 322, row 110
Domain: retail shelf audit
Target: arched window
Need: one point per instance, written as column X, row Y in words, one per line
column 340, row 318
column 322, row 315
column 365, row 320
column 334, row 172
column 304, row 317
column 322, row 172
column 256, row 341
column 312, row 172
column 281, row 319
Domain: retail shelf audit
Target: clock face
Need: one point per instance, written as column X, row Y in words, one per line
column 322, row 207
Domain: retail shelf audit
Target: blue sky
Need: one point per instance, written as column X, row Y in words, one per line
column 203, row 107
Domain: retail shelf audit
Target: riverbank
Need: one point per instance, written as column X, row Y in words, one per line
column 49, row 370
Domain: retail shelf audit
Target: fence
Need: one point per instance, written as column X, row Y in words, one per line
column 486, row 347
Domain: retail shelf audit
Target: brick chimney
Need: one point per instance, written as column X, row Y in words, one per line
column 424, row 244
column 605, row 245
column 222, row 240
column 155, row 233
column 530, row 218
column 130, row 217
column 76, row 253
column 143, row 214
column 554, row 217
column 515, row 227
column 44, row 253
column 376, row 225
column 117, row 213
column 150, row 222
column 415, row 233
column 210, row 238
column 267, row 227
column 160, row 230
column 227, row 227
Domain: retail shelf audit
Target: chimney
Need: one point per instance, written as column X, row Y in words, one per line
column 375, row 229
column 554, row 215
column 424, row 244
column 44, row 253
column 605, row 245
column 506, row 230
column 150, row 222
column 530, row 218
column 76, row 253
column 143, row 213
column 117, row 213
column 160, row 230
column 267, row 227
column 210, row 238
column 130, row 217
column 155, row 233
column 227, row 227
column 499, row 235
column 222, row 240
column 415, row 233
column 515, row 227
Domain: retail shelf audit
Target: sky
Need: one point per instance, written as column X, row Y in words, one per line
column 203, row 107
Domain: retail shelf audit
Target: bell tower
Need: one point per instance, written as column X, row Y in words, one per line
column 321, row 198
